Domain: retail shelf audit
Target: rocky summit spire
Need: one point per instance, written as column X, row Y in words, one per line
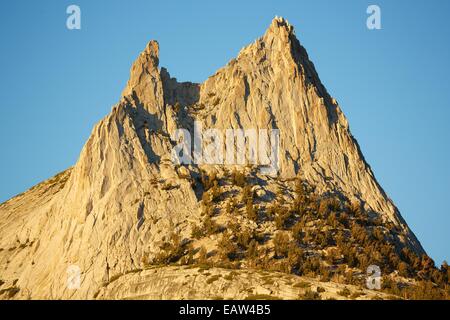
column 280, row 27
column 144, row 87
column 125, row 201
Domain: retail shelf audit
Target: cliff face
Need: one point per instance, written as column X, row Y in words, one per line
column 109, row 213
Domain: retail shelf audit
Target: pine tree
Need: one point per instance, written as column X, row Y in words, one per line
column 202, row 256
column 210, row 226
column 297, row 231
column 238, row 178
column 215, row 191
column 247, row 194
column 229, row 208
column 301, row 195
column 250, row 210
column 295, row 256
column 252, row 250
column 227, row 249
column 197, row 232
column 281, row 245
column 403, row 269
column 244, row 238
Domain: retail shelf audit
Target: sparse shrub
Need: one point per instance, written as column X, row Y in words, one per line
column 378, row 235
column 208, row 180
column 206, row 198
column 311, row 295
column 344, row 219
column 171, row 251
column 244, row 238
column 188, row 257
column 403, row 269
column 251, row 211
column 325, row 274
column 210, row 226
column 294, row 257
column 208, row 211
column 247, row 194
column 354, row 209
column 177, row 107
column 202, row 256
column 197, row 232
column 359, row 233
column 323, row 208
column 227, row 249
column 229, row 207
column 333, row 256
column 311, row 266
column 297, row 231
column 301, row 194
column 207, row 206
column 252, row 250
column 238, row 178
column 234, row 227
column 281, row 245
column 328, row 205
column 332, row 220
column 215, row 191
column 282, row 219
column 345, row 292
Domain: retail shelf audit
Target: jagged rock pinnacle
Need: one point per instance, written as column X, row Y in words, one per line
column 144, row 87
column 280, row 23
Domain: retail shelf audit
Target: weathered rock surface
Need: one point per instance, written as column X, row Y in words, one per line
column 110, row 212
column 214, row 283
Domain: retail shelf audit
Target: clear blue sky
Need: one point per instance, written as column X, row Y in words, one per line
column 393, row 84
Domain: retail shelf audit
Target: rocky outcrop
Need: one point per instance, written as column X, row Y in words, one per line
column 111, row 211
column 169, row 283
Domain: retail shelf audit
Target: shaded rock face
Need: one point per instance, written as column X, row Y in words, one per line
column 109, row 213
